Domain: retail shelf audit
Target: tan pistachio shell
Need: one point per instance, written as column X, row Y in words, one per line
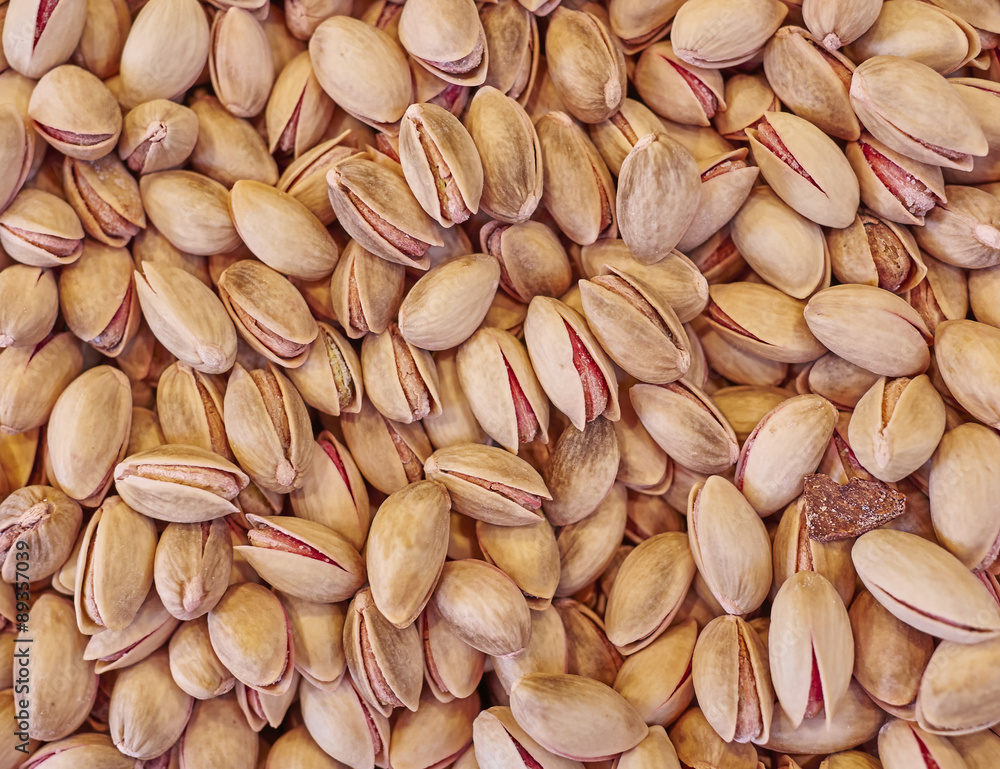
column 344, row 725
column 446, row 37
column 75, row 113
column 656, row 680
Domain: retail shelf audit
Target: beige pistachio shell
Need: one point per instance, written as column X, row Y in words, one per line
column 925, row 586
column 180, row 483
column 117, row 649
column 894, row 342
column 268, row 311
column 699, row 39
column 811, row 647
column 34, row 42
column 589, row 545
column 303, row 558
column 452, row 668
column 342, row 724
column 677, row 90
column 218, row 734
column 165, row 52
column 956, row 691
column 805, row 168
column 959, row 486
column 657, row 680
column 297, row 115
column 29, row 306
column 264, row 658
column 105, row 197
column 840, row 22
column 726, row 182
column 446, row 37
column 320, row 662
column 75, row 113
column 88, row 433
column 362, row 69
column 546, row 652
column 192, row 567
column 402, row 582
column 191, row 210
column 686, row 425
column 889, row 655
column 580, row 471
column 388, row 454
column 500, row 743
column 483, row 606
column 527, row 554
column 732, row 680
column 274, row 226
column 928, row 121
column 384, row 661
column 40, row 229
column 648, row 591
column 963, row 231
column 901, row 743
column 512, row 169
column 451, row 722
column 659, row 189
column 32, row 379
column 787, row 444
column 157, row 135
column 559, row 711
column 240, row 63
column 717, row 516
column 229, row 149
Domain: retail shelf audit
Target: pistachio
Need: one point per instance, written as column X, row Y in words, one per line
column 37, row 37
column 29, row 306
column 648, row 591
column 955, row 691
column 218, row 735
column 105, row 197
column 362, row 69
column 489, row 484
column 451, row 723
column 191, row 210
column 303, row 558
column 344, row 725
column 840, row 22
column 748, row 97
column 587, row 547
column 903, row 744
column 43, row 521
column 446, row 37
column 192, row 567
column 194, row 665
column 726, row 182
column 963, row 231
column 558, row 711
column 925, row 586
column 229, row 149
column 659, row 188
column 811, row 648
column 416, row 516
column 116, row 649
column 268, row 311
column 499, row 741
column 75, row 113
column 699, row 39
column 805, row 168
column 389, row 454
column 157, row 135
column 298, row 112
column 239, row 62
column 179, row 483
column 18, row 150
column 732, row 680
column 962, row 342
column 263, row 657
column 313, row 625
column 914, row 129
column 39, row 229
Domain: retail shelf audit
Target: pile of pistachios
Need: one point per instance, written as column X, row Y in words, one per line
column 513, row 384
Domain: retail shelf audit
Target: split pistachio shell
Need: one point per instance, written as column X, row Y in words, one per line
column 270, row 221
column 876, row 252
column 365, row 290
column 571, row 366
column 500, row 743
column 926, row 586
column 659, row 188
column 858, row 720
column 483, row 606
column 732, row 680
column 561, row 711
column 452, row 668
column 726, row 181
column 303, row 558
column 402, row 380
column 157, row 135
column 268, row 311
column 376, row 207
column 189, row 409
column 648, row 591
column 43, row 521
column 330, row 378
column 501, row 389
column 344, row 725
column 960, row 482
column 528, row 554
column 218, row 734
column 75, row 113
column 717, row 516
column 441, row 163
column 928, row 120
column 677, row 90
column 963, row 231
column 40, row 229
column 446, row 37
column 781, row 335
column 114, row 569
column 192, row 567
column 105, row 197
column 29, row 306
column 811, row 648
column 401, row 584
column 116, row 649
column 896, row 427
column 450, row 722
column 268, row 427
column 901, row 743
column 587, row 547
column 805, row 168
column 179, row 483
column 384, row 661
column 795, row 551
column 32, row 379
column 488, row 483
column 261, row 659
column 297, row 114
column 546, row 652
column 239, row 62
column 388, row 454
column 35, row 41
column 194, row 666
